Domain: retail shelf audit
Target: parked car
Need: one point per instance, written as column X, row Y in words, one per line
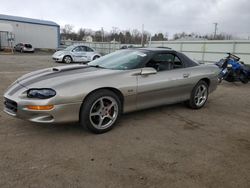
column 126, row 46
column 24, row 47
column 76, row 53
column 97, row 93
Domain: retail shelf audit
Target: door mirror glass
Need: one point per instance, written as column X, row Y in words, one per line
column 148, row 71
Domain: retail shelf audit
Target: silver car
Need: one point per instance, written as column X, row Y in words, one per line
column 97, row 93
column 22, row 47
column 76, row 53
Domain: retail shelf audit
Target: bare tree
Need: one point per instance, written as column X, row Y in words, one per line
column 125, row 37
column 66, row 31
column 81, row 34
column 159, row 37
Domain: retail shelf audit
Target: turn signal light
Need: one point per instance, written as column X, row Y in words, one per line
column 33, row 107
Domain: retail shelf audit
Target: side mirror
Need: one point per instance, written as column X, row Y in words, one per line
column 148, row 71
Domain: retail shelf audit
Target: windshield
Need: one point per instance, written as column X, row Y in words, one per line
column 121, row 60
column 69, row 48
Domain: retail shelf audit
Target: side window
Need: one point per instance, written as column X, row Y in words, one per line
column 89, row 49
column 162, row 62
column 177, row 63
column 77, row 49
column 83, row 48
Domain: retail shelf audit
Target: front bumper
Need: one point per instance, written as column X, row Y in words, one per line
column 57, row 58
column 61, row 113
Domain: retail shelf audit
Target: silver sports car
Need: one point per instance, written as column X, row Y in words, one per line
column 97, row 93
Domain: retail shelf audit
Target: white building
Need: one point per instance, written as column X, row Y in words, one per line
column 88, row 38
column 39, row 33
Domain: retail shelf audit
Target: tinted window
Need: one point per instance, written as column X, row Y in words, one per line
column 89, row 49
column 163, row 58
column 162, row 62
column 28, row 45
column 177, row 63
column 77, row 49
column 83, row 48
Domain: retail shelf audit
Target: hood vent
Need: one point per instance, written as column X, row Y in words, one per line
column 55, row 69
column 68, row 68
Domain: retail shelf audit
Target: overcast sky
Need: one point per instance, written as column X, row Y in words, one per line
column 171, row 16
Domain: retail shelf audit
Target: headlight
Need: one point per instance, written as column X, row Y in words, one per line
column 41, row 93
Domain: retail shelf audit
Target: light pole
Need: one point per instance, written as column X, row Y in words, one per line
column 102, row 33
column 215, row 29
column 142, row 32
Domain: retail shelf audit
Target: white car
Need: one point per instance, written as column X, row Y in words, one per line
column 76, row 53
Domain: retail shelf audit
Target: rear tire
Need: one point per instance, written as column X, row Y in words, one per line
column 100, row 111
column 199, row 95
column 243, row 79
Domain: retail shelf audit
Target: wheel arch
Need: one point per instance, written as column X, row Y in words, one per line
column 69, row 56
column 207, row 80
column 95, row 55
column 115, row 90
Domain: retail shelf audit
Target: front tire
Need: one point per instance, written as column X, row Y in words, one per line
column 199, row 95
column 67, row 59
column 100, row 111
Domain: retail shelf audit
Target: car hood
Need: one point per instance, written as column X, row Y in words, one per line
column 62, row 75
column 59, row 52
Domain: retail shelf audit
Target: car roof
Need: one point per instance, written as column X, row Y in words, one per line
column 186, row 60
column 79, row 45
column 159, row 49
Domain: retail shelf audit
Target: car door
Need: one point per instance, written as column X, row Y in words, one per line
column 90, row 53
column 169, row 85
column 79, row 53
column 84, row 55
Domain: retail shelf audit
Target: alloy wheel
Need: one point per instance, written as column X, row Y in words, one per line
column 201, row 95
column 103, row 112
column 67, row 59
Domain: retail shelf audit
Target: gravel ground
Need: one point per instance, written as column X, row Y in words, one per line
column 170, row 146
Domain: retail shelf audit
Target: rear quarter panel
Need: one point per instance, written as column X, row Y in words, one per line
column 209, row 72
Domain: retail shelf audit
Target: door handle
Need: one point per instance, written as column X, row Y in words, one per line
column 186, row 75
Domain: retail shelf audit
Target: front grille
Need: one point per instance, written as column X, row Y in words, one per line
column 10, row 105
